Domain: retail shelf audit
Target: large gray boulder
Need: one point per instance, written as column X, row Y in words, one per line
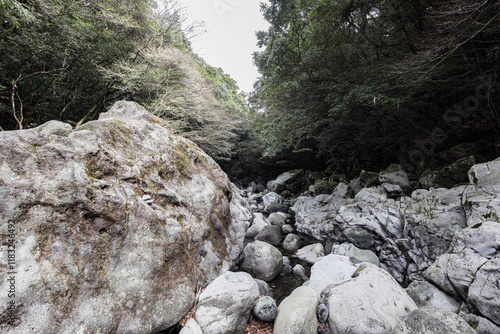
column 431, row 320
column 225, row 305
column 262, row 260
column 371, row 302
column 91, row 254
column 297, row 313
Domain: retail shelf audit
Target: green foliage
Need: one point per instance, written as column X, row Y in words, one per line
column 353, row 80
column 49, row 67
column 75, row 58
column 14, row 13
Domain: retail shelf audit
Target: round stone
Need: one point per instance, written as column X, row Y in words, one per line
column 265, row 309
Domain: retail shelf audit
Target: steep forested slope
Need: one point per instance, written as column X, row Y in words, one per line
column 70, row 60
column 360, row 83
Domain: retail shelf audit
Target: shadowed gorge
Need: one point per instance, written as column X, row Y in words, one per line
column 354, row 190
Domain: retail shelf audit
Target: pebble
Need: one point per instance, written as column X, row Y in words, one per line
column 287, row 228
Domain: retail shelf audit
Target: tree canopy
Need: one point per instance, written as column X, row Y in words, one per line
column 357, row 82
column 71, row 60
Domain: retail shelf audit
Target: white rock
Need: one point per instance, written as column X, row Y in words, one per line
column 270, row 198
column 426, row 294
column 431, row 320
column 355, row 254
column 191, row 327
column 226, row 303
column 297, row 313
column 371, row 302
column 331, row 269
column 259, row 223
column 311, row 253
column 484, row 292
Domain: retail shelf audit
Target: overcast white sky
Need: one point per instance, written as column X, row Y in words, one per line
column 230, row 38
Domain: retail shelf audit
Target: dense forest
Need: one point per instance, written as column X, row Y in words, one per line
column 345, row 84
column 362, row 83
column 71, row 60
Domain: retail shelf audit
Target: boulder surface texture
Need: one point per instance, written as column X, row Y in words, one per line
column 115, row 224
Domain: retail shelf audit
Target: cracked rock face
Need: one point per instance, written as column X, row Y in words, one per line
column 116, row 223
column 470, row 268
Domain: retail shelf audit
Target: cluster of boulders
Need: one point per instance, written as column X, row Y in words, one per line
column 119, row 222
column 385, row 257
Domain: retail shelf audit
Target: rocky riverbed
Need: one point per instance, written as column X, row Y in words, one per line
column 375, row 259
column 120, row 226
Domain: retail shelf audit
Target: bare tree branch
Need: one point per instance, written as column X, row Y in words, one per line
column 14, row 93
